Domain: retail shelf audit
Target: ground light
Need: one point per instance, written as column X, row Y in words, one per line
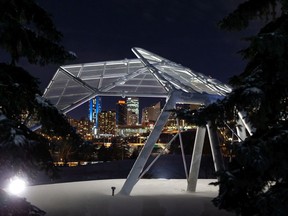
column 16, row 186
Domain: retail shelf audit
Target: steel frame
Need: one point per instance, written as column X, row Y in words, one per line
column 174, row 82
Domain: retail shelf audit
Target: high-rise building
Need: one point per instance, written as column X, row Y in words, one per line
column 95, row 106
column 121, row 113
column 83, row 127
column 107, row 123
column 132, row 111
column 150, row 114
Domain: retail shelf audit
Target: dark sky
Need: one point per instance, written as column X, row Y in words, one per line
column 183, row 31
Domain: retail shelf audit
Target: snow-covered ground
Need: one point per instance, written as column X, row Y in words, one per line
column 149, row 197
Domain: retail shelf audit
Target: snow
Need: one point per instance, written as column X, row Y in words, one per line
column 19, row 139
column 149, row 197
column 254, row 90
column 2, row 117
column 40, row 100
column 73, row 54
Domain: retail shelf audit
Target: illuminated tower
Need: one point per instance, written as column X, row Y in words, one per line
column 107, row 123
column 132, row 111
column 95, row 105
column 121, row 113
column 150, row 114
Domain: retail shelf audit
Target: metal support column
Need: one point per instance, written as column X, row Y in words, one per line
column 215, row 148
column 182, row 149
column 241, row 130
column 147, row 149
column 196, row 159
column 243, row 117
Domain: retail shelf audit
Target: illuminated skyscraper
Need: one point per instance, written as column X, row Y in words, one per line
column 83, row 127
column 121, row 113
column 150, row 114
column 107, row 123
column 132, row 111
column 95, row 106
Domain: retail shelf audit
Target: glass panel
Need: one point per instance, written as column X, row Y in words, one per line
column 73, row 70
column 134, row 64
column 92, row 73
column 75, row 90
column 116, row 72
column 93, row 83
column 151, row 82
column 54, row 92
column 133, row 82
column 70, row 99
column 151, row 90
column 108, row 81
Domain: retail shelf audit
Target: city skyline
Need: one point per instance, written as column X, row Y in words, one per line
column 109, row 104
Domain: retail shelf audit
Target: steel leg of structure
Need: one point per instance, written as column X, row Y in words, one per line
column 196, row 159
column 241, row 130
column 182, row 149
column 215, row 148
column 243, row 116
column 157, row 157
column 147, row 149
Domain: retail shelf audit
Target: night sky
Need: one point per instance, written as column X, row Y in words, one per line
column 183, row 31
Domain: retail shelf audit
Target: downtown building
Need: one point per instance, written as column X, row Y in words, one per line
column 132, row 104
column 95, row 107
column 121, row 113
column 83, row 127
column 127, row 123
column 107, row 123
column 150, row 114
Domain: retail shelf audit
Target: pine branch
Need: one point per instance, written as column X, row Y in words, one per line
column 250, row 10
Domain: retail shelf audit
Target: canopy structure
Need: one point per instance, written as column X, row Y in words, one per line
column 148, row 75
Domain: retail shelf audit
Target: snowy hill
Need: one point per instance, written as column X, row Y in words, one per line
column 150, row 197
column 87, row 191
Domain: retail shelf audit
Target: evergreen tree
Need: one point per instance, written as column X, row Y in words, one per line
column 119, row 149
column 87, row 152
column 27, row 32
column 255, row 181
column 104, row 153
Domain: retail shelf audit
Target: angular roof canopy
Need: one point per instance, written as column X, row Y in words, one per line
column 148, row 75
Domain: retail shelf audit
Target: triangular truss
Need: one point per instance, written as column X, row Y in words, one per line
column 147, row 76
